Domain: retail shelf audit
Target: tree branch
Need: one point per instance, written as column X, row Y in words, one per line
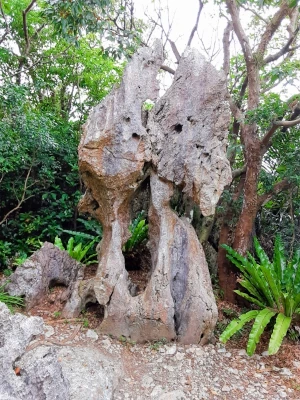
column 255, row 13
column 6, row 24
column 175, row 50
column 168, row 69
column 239, row 31
column 265, row 142
column 285, row 49
column 287, row 124
column 226, row 48
column 23, row 198
column 196, row 24
column 276, row 189
column 272, row 27
column 238, row 172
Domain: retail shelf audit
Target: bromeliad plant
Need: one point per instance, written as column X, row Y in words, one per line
column 274, row 287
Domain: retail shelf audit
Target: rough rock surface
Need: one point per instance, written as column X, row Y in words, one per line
column 181, row 142
column 50, row 372
column 189, row 128
column 47, row 267
column 80, row 366
column 16, row 332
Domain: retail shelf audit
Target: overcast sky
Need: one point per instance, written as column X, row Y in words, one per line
column 184, row 13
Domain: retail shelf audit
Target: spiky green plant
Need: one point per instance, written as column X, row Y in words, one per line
column 274, row 287
column 77, row 251
column 139, row 232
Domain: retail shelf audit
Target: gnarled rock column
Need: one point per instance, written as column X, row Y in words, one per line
column 182, row 142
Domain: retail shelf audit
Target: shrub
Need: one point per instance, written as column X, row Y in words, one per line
column 274, row 287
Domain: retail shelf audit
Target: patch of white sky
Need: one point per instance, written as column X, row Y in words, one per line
column 208, row 38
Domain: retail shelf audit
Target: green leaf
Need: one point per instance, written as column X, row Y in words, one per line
column 70, row 245
column 58, row 243
column 261, row 321
column 250, row 298
column 280, row 329
column 237, row 324
column 279, row 260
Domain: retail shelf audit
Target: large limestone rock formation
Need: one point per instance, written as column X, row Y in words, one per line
column 181, row 142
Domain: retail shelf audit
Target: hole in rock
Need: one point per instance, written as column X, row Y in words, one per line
column 92, row 314
column 135, row 136
column 138, row 266
column 57, row 293
column 136, row 252
column 178, row 128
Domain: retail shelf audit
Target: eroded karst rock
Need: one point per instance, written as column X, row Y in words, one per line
column 47, row 267
column 181, row 142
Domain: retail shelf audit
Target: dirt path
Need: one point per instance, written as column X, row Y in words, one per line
column 172, row 371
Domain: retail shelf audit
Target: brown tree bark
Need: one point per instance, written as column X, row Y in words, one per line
column 254, row 148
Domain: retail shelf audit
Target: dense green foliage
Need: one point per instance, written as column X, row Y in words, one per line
column 50, row 79
column 274, row 287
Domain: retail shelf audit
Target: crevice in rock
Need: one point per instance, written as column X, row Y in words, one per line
column 93, row 313
column 138, row 258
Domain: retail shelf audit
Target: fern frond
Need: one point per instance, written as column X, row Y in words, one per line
column 237, row 324
column 279, row 260
column 250, row 298
column 280, row 329
column 261, row 321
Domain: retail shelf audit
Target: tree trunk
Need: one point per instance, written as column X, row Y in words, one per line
column 249, row 210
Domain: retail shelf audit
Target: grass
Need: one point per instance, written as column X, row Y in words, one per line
column 10, row 301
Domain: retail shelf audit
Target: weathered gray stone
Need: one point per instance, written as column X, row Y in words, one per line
column 16, row 332
column 188, row 129
column 71, row 373
column 182, row 142
column 50, row 372
column 47, row 267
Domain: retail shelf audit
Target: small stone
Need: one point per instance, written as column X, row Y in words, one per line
column 175, row 395
column 199, row 352
column 156, row 391
column 106, row 343
column 179, row 356
column 171, row 350
column 49, row 331
column 242, row 352
column 286, row 372
column 222, row 350
column 91, row 334
column 265, row 354
column 228, row 355
column 296, row 364
column 147, row 381
column 225, row 389
column 283, row 395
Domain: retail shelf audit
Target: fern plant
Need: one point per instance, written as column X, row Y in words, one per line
column 78, row 251
column 139, row 232
column 274, row 287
